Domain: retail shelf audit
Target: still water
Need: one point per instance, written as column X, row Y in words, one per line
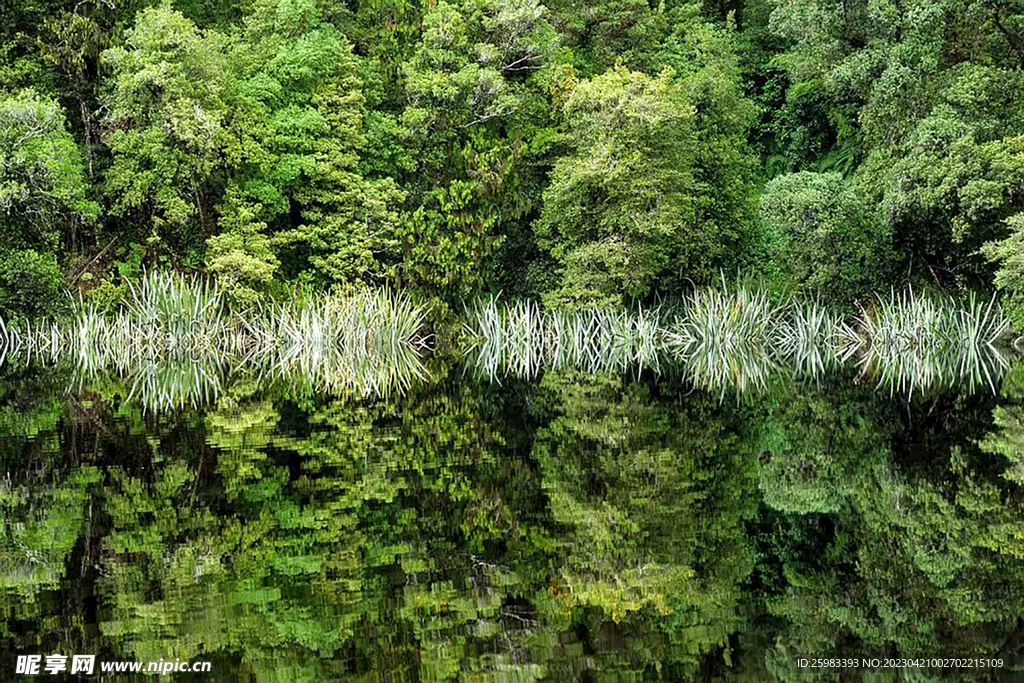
column 567, row 526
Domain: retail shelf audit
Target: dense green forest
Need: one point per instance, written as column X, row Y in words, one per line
column 584, row 153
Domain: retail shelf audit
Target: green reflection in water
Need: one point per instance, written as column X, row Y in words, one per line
column 579, row 527
column 737, row 340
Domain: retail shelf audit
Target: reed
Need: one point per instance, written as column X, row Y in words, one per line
column 519, row 338
column 736, row 338
column 174, row 336
column 918, row 342
column 721, row 336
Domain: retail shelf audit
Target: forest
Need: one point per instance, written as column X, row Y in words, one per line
column 465, row 340
column 593, row 154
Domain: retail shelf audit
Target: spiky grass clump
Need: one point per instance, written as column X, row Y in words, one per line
column 366, row 342
column 813, row 339
column 915, row 341
column 908, row 320
column 519, row 338
column 164, row 314
column 183, row 310
column 726, row 319
column 173, row 332
column 736, row 338
column 595, row 340
column 722, row 336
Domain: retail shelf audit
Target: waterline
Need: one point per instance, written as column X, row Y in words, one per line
column 175, row 341
column 738, row 339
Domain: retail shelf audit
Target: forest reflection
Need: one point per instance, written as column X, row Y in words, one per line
column 579, row 526
column 198, row 381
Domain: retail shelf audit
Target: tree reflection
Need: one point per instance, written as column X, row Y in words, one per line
column 579, row 527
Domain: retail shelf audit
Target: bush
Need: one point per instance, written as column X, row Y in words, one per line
column 1009, row 254
column 30, row 284
column 824, row 238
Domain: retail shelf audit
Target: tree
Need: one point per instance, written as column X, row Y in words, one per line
column 167, row 106
column 619, row 214
column 657, row 186
column 300, row 123
column 918, row 552
column 948, row 191
column 1009, row 254
column 43, row 202
column 826, row 240
column 605, row 33
column 43, row 191
column 476, row 100
column 242, row 255
column 816, row 446
column 706, row 60
column 919, row 102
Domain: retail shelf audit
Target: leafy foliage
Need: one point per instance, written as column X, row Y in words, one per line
column 826, row 240
column 31, row 284
column 43, row 190
column 167, row 110
column 619, row 213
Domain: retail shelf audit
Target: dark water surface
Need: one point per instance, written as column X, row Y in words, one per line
column 571, row 527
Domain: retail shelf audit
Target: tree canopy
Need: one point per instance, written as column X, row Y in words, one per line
column 619, row 152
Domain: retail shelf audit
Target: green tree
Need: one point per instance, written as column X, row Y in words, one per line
column 619, row 216
column 825, row 239
column 1009, row 254
column 920, row 102
column 43, row 191
column 166, row 111
column 44, row 202
column 299, row 122
column 949, row 191
column 816, row 445
column 242, row 255
column 610, row 32
column 706, row 60
column 476, row 114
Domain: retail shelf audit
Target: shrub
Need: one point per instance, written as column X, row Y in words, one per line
column 827, row 240
column 30, row 284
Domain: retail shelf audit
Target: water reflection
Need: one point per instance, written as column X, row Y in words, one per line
column 173, row 381
column 738, row 341
column 579, row 527
column 751, row 369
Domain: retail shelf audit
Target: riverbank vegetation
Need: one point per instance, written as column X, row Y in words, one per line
column 175, row 339
column 607, row 155
column 737, row 339
column 173, row 336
